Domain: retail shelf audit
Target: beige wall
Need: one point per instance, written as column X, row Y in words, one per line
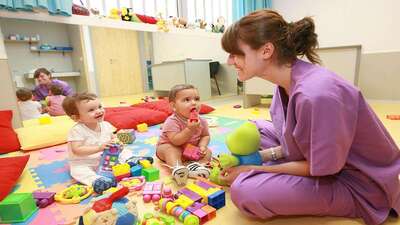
column 7, row 87
column 78, row 59
column 379, row 76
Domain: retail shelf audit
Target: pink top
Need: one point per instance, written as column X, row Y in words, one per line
column 176, row 124
column 55, row 105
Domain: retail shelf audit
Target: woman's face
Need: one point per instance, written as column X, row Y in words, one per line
column 248, row 65
column 44, row 79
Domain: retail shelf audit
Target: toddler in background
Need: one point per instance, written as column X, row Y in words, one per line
column 87, row 139
column 54, row 101
column 29, row 109
column 178, row 130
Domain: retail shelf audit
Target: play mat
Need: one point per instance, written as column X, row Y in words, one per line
column 47, row 169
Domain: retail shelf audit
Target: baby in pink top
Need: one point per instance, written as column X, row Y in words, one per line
column 54, row 101
column 181, row 129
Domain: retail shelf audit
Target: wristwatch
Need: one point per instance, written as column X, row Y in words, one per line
column 274, row 157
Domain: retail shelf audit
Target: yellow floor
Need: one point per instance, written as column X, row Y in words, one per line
column 230, row 214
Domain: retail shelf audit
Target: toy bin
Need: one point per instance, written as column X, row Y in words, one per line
column 17, row 207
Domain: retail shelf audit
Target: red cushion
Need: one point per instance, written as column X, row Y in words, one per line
column 164, row 106
column 8, row 138
column 10, row 170
column 128, row 119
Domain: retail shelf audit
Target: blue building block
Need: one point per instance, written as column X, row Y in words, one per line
column 136, row 171
column 217, row 199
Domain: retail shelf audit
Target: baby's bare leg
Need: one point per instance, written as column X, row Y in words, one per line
column 170, row 154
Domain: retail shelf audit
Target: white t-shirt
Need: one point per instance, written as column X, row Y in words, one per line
column 80, row 132
column 30, row 109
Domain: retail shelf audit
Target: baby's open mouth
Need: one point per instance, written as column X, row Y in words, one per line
column 99, row 116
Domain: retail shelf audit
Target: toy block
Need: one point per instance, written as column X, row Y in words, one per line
column 195, row 206
column 184, row 201
column 204, row 185
column 136, row 171
column 142, row 127
column 121, row 169
column 202, row 215
column 217, row 200
column 190, row 194
column 17, row 207
column 204, row 180
column 44, row 120
column 211, row 211
column 200, row 191
column 152, row 191
column 151, row 174
column 191, row 152
column 145, row 163
column 43, row 199
column 122, row 176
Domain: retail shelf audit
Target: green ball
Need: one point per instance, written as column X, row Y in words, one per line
column 244, row 140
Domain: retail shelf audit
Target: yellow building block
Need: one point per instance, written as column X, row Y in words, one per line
column 121, row 169
column 142, row 127
column 198, row 190
column 184, row 201
column 145, row 163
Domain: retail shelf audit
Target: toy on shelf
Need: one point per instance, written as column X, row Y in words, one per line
column 152, row 191
column 114, row 14
column 73, row 194
column 122, row 211
column 43, row 199
column 126, row 14
column 243, row 143
column 191, row 152
column 133, row 183
column 17, row 207
column 126, row 136
column 109, row 159
column 393, row 117
column 106, row 203
column 161, row 23
column 142, row 127
column 219, row 27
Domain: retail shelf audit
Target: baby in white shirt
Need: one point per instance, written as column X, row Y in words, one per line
column 29, row 109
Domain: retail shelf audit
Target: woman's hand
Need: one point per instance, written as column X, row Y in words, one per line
column 230, row 174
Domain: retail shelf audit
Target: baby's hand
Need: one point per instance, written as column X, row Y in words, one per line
column 193, row 126
column 105, row 145
column 203, row 150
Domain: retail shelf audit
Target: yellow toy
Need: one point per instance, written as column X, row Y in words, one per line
column 161, row 23
column 73, row 194
column 142, row 127
column 114, row 14
column 145, row 163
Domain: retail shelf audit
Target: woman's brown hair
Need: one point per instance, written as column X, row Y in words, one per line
column 41, row 70
column 262, row 26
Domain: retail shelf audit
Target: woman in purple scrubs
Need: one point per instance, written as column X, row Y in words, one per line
column 326, row 151
column 43, row 76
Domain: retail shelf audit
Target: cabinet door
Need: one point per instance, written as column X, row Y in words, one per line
column 118, row 68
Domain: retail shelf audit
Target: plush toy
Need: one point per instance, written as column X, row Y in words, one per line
column 244, row 144
column 114, row 14
column 161, row 23
column 126, row 14
column 220, row 26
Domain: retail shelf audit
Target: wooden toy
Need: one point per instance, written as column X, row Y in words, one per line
column 152, row 191
column 194, row 116
column 43, row 199
column 109, row 159
column 133, row 183
column 142, row 127
column 17, row 207
column 73, row 194
column 106, row 203
column 191, row 152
